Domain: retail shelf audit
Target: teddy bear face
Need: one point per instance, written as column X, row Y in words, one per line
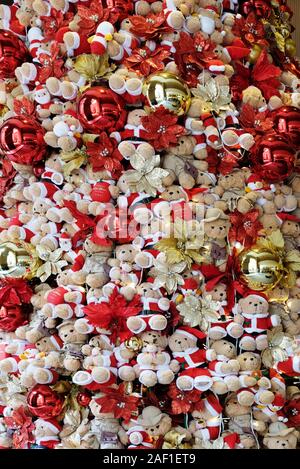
column 173, row 192
column 235, row 180
column 198, row 106
column 184, row 147
column 69, row 335
column 219, row 292
column 290, row 228
column 217, row 229
column 253, row 305
column 161, row 428
column 234, row 409
column 269, row 222
column 179, row 343
column 92, row 248
column 42, row 429
column 99, row 342
column 54, row 162
column 125, row 253
column 134, row 117
column 96, row 411
column 146, row 290
column 41, row 206
column 39, row 298
column 281, row 442
column 253, row 96
column 225, row 348
column 249, row 361
column 45, row 345
column 153, row 341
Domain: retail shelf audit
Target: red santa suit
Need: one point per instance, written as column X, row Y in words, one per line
column 210, row 428
column 49, row 442
column 256, row 325
column 290, row 367
column 135, row 134
column 139, row 438
column 9, row 20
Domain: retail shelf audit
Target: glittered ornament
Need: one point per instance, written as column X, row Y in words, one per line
column 12, row 53
column 273, row 157
column 167, row 90
column 134, row 344
column 15, row 260
column 101, row 109
column 43, row 402
column 22, row 140
column 290, row 47
column 260, row 268
column 287, row 122
column 256, row 50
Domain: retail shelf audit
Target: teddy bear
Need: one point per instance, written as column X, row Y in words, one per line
column 254, row 97
column 124, row 270
column 270, row 223
column 64, row 133
column 64, row 302
column 242, row 422
column 225, row 368
column 252, row 312
column 231, row 190
column 150, row 428
column 216, row 228
column 127, row 84
column 273, row 412
column 154, row 364
column 189, row 357
column 76, row 431
column 107, row 429
column 181, row 164
column 206, row 420
column 290, row 229
column 117, row 44
column 289, row 310
column 279, row 436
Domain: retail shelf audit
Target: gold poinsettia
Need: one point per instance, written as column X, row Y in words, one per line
column 52, row 262
column 198, row 311
column 92, row 66
column 289, row 260
column 73, row 160
column 279, row 346
column 167, row 275
column 185, row 244
column 146, row 176
column 216, row 97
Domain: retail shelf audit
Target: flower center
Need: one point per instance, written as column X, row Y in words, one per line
column 247, row 224
column 162, row 129
column 150, row 20
column 95, row 18
column 143, row 53
column 121, row 405
column 104, row 152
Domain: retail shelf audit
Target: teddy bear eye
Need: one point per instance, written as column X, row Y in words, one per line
column 245, row 359
column 250, row 302
column 157, row 426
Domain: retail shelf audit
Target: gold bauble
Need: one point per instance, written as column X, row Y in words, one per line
column 134, row 344
column 15, row 260
column 254, row 54
column 167, row 90
column 260, row 268
column 290, row 47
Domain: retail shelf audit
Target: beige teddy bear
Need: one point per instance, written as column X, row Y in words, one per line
column 231, row 190
column 225, row 368
column 279, row 436
column 64, row 132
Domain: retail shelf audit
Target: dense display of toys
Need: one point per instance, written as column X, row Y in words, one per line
column 149, row 225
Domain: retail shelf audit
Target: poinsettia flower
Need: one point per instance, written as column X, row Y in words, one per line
column 91, row 16
column 162, row 128
column 21, row 425
column 244, row 227
column 144, row 61
column 167, row 275
column 104, row 154
column 14, row 291
column 52, row 64
column 57, row 19
column 182, row 401
column 250, row 29
column 113, row 315
column 117, row 402
column 24, row 106
column 255, row 122
column 150, row 26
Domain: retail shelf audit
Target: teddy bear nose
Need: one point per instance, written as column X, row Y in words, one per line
column 255, row 304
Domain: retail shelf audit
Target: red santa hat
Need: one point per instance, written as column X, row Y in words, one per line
column 288, row 216
column 104, row 33
column 191, row 332
column 56, row 341
column 52, row 424
column 237, row 50
column 232, row 440
column 258, row 295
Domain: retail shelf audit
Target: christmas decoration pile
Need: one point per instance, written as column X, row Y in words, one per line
column 150, row 225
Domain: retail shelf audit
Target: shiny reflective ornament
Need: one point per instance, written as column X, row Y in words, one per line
column 273, row 157
column 15, row 261
column 254, row 54
column 134, row 344
column 22, row 140
column 83, row 399
column 260, row 268
column 43, row 402
column 101, row 109
column 287, row 122
column 167, row 90
column 290, row 47
column 12, row 53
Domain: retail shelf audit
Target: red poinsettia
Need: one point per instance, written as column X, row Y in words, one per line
column 57, row 19
column 182, row 401
column 114, row 314
column 244, row 227
column 117, row 402
column 292, row 412
column 24, row 106
column 250, row 29
column 144, row 61
column 14, row 291
column 7, row 175
column 150, row 26
column 255, row 122
column 21, row 424
column 162, row 128
column 104, row 154
column 52, row 64
column 91, row 16
column 264, row 76
column 261, row 8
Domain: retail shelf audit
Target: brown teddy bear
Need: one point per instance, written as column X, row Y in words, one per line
column 290, row 230
column 64, row 132
column 279, row 436
column 225, row 368
column 216, row 227
column 181, row 164
column 207, row 420
column 231, row 190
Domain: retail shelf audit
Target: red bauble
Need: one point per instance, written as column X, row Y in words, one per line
column 83, row 399
column 101, row 109
column 11, row 317
column 287, row 122
column 22, row 140
column 12, row 53
column 273, row 157
column 261, row 8
column 43, row 402
column 118, row 9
